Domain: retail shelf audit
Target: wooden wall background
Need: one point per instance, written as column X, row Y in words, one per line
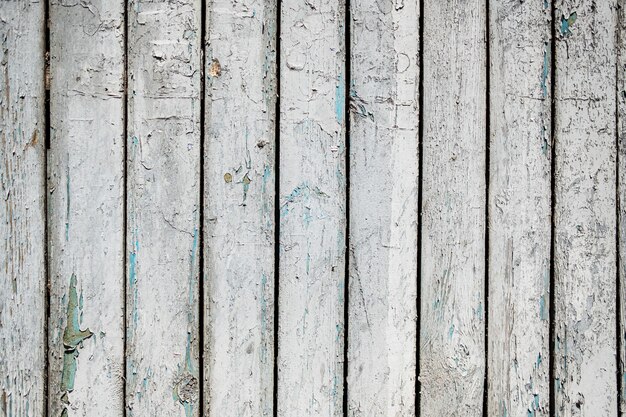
column 312, row 208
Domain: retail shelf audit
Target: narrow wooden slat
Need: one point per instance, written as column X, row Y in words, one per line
column 621, row 126
column 519, row 208
column 585, row 198
column 164, row 41
column 383, row 208
column 312, row 209
column 22, row 214
column 452, row 348
column 86, row 209
column 239, row 201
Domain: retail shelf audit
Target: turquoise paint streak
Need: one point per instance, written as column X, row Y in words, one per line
column 340, row 99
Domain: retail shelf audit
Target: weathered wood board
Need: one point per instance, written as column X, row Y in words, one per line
column 312, row 209
column 22, row 209
column 239, row 175
column 86, row 209
column 585, row 209
column 621, row 203
column 519, row 208
column 384, row 120
column 164, row 70
column 452, row 339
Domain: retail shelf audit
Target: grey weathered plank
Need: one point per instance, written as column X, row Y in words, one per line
column 519, row 208
column 384, row 162
column 312, row 209
column 164, row 49
column 22, row 215
column 239, row 200
column 585, row 214
column 452, row 357
column 86, row 209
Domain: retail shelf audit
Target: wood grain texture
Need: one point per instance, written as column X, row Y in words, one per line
column 519, row 208
column 86, row 209
column 164, row 47
column 452, row 345
column 585, row 220
column 22, row 213
column 239, row 201
column 384, row 113
column 312, row 209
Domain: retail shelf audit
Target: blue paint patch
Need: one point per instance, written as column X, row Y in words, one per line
column 340, row 99
column 542, row 308
column 566, row 24
column 451, row 332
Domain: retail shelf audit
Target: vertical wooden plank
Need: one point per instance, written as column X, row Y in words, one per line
column 452, row 348
column 239, row 201
column 621, row 131
column 312, row 209
column 164, row 41
column 519, row 208
column 384, row 162
column 86, row 209
column 585, row 221
column 22, row 214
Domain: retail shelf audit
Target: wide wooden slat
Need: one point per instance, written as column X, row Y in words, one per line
column 86, row 209
column 164, row 41
column 22, row 214
column 383, row 208
column 239, row 200
column 585, row 215
column 452, row 348
column 621, row 149
column 519, row 208
column 312, row 209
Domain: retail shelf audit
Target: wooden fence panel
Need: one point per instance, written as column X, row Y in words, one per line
column 239, row 200
column 452, row 339
column 384, row 120
column 86, row 209
column 585, row 212
column 164, row 50
column 519, row 208
column 312, row 209
column 22, row 209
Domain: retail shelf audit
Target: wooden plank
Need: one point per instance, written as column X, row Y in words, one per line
column 452, row 346
column 384, row 119
column 86, row 209
column 164, row 49
column 312, row 209
column 22, row 209
column 239, row 201
column 519, row 208
column 621, row 172
column 585, row 198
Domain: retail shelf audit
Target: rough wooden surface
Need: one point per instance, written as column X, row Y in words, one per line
column 86, row 209
column 312, row 209
column 164, row 41
column 22, row 215
column 452, row 345
column 621, row 149
column 239, row 200
column 585, row 215
column 519, row 208
column 383, row 208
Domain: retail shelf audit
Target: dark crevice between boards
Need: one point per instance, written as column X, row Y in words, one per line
column 420, row 182
column 125, row 210
column 47, row 133
column 276, row 208
column 201, row 294
column 551, row 307
column 487, row 169
column 618, row 287
column 346, row 117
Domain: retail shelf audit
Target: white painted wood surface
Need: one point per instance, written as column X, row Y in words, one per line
column 621, row 172
column 452, row 345
column 384, row 120
column 164, row 49
column 239, row 175
column 22, row 209
column 519, row 208
column 86, row 209
column 312, row 209
column 585, row 213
